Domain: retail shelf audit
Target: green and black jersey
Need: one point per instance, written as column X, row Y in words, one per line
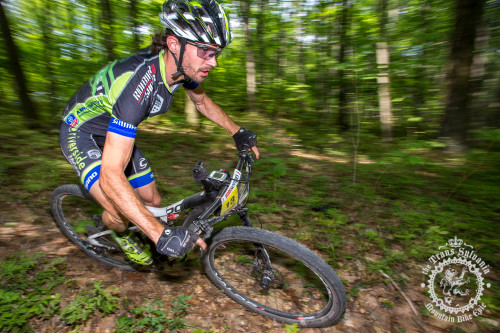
column 131, row 89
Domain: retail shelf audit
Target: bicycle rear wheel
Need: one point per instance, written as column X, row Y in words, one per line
column 275, row 277
column 79, row 217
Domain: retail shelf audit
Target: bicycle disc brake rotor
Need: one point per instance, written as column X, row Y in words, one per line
column 283, row 285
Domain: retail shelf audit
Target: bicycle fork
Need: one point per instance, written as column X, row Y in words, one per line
column 262, row 265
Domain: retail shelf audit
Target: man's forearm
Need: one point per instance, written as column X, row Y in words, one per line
column 122, row 195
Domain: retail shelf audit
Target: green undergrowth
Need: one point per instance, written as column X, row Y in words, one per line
column 30, row 292
column 389, row 212
column 27, row 290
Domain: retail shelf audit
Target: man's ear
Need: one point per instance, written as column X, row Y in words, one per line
column 173, row 44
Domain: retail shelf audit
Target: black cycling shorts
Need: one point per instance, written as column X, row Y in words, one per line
column 84, row 152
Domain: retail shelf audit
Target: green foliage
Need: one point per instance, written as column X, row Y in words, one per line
column 407, row 195
column 90, row 302
column 26, row 290
column 296, row 53
column 151, row 317
column 292, row 328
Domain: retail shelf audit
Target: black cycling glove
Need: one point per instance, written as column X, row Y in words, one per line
column 175, row 242
column 245, row 139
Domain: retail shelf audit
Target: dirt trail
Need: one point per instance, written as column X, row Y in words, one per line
column 369, row 309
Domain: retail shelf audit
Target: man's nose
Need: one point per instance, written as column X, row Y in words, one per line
column 212, row 61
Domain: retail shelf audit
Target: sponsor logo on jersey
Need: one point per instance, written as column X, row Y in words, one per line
column 158, row 104
column 71, row 120
column 144, row 88
column 120, row 127
column 90, row 179
column 123, row 124
column 92, row 176
column 90, row 108
column 77, row 156
column 94, row 154
column 143, row 163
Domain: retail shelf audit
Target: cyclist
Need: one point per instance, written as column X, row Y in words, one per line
column 97, row 134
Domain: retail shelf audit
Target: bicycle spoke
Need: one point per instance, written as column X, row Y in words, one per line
column 80, row 220
column 292, row 288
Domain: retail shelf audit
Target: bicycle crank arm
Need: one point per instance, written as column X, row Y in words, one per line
column 93, row 239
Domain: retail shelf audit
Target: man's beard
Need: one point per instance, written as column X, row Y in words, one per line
column 190, row 73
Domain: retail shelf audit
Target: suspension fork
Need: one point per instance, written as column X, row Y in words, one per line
column 262, row 262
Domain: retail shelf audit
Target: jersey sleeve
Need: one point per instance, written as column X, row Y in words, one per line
column 122, row 128
column 132, row 93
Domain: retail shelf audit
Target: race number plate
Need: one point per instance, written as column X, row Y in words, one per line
column 230, row 197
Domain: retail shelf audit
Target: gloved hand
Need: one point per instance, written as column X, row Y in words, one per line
column 175, row 242
column 244, row 139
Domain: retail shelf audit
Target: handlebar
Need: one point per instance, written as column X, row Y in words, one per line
column 223, row 184
column 201, row 176
column 246, row 156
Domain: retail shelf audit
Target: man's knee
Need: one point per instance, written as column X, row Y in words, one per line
column 149, row 195
column 153, row 201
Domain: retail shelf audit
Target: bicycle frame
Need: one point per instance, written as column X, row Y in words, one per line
column 228, row 194
column 236, row 257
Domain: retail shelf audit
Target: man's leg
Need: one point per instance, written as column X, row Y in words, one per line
column 149, row 194
column 111, row 216
column 88, row 148
column 114, row 220
column 141, row 179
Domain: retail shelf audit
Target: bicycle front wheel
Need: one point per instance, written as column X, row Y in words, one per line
column 275, row 276
column 79, row 218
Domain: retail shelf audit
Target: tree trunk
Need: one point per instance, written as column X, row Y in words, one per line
column 299, row 33
column 17, row 73
column 342, row 119
column 457, row 112
column 135, row 25
column 261, row 60
column 479, row 75
column 192, row 116
column 384, row 92
column 45, row 23
column 250, row 59
column 280, row 63
column 107, row 29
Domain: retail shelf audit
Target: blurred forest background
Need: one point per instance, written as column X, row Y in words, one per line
column 378, row 120
column 391, row 68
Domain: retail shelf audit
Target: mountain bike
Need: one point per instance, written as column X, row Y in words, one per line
column 263, row 271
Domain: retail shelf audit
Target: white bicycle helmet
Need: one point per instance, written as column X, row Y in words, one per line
column 197, row 20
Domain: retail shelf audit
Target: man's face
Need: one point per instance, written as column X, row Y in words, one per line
column 199, row 60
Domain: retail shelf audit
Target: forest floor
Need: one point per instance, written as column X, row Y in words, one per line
column 358, row 247
column 377, row 307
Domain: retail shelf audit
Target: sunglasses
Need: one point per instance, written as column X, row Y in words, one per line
column 205, row 52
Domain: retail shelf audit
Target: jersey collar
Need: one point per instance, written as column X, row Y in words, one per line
column 164, row 75
column 162, row 71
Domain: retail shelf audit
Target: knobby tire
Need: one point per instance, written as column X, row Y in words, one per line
column 305, row 289
column 74, row 212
